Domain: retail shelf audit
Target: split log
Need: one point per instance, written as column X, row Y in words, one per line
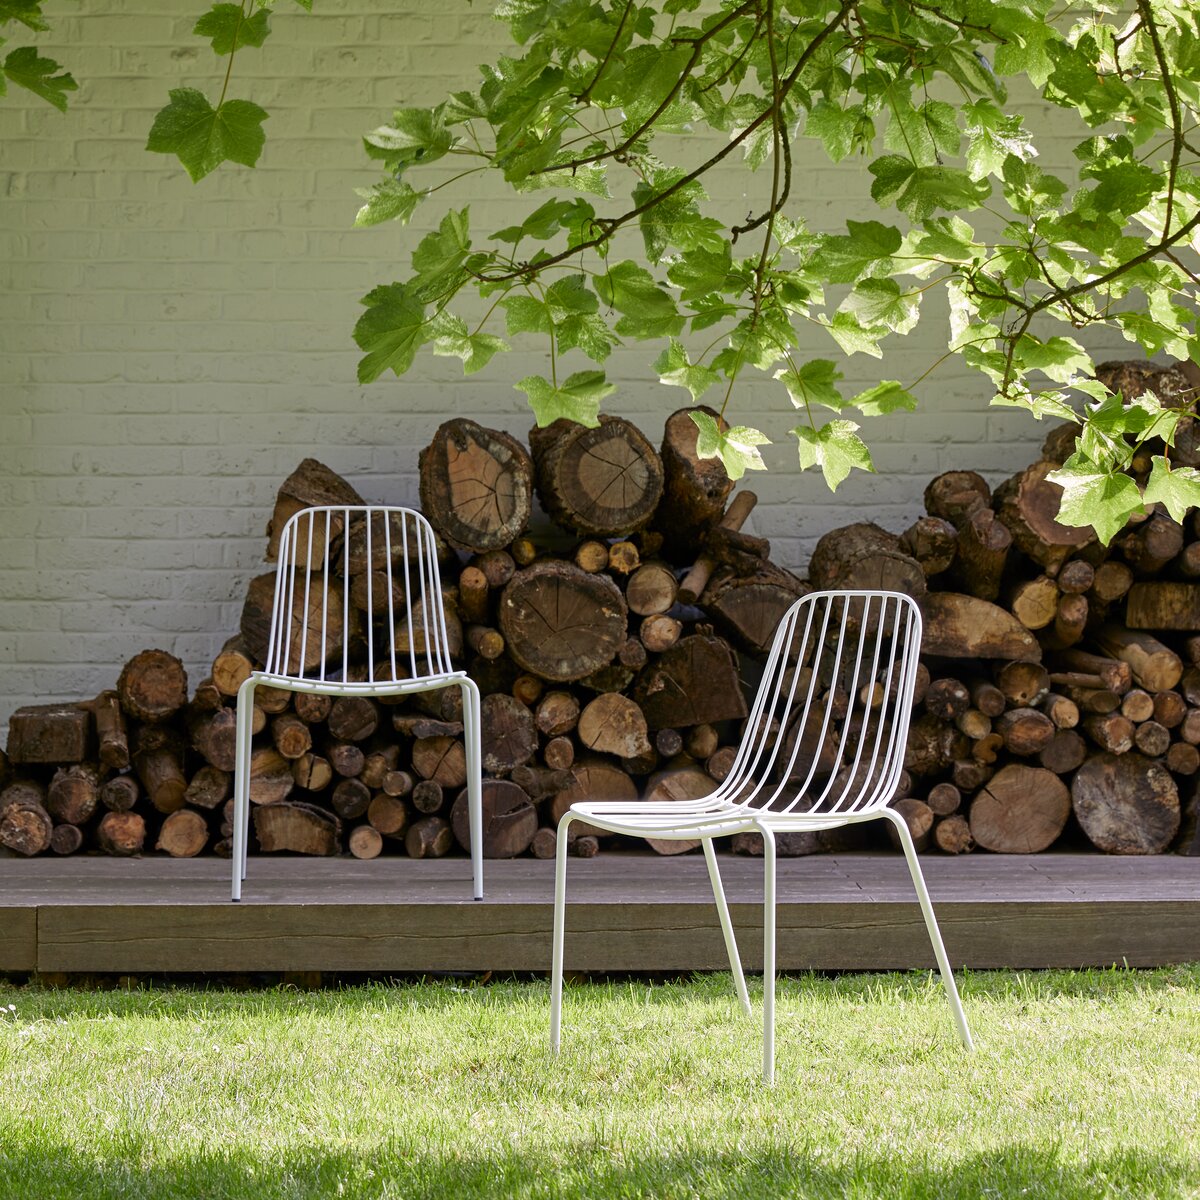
column 748, row 609
column 110, row 731
column 297, row 827
column 604, row 481
column 685, row 783
column 695, row 682
column 430, row 837
column 153, row 686
column 74, row 794
column 958, row 626
column 933, row 542
column 120, row 793
column 26, row 828
column 614, row 724
column 956, row 496
column 557, row 714
column 310, row 485
column 304, row 629
column 122, row 834
column 365, row 842
column 694, row 489
column 692, row 586
column 983, row 543
column 651, row 589
column 1064, row 752
column 476, row 485
column 1126, row 804
column 1034, row 602
column 232, row 666
column 424, row 727
column 442, row 759
column 509, row 734
column 1028, row 504
column 1163, row 605
column 1155, row 667
column 865, row 556
column 952, row 835
column 509, row 819
column 1020, row 810
column 161, row 773
column 209, row 788
column 49, row 733
column 184, row 834
column 271, row 779
column 214, row 737
column 559, row 622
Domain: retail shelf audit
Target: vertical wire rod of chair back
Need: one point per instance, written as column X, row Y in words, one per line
column 861, row 648
column 372, row 539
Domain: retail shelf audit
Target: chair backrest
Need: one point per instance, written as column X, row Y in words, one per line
column 827, row 731
column 355, row 584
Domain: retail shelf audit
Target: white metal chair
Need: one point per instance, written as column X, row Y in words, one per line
column 390, row 557
column 824, row 747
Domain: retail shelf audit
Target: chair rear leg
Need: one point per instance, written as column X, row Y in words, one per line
column 768, row 955
column 241, row 784
column 735, row 962
column 935, row 934
column 472, row 729
column 560, row 924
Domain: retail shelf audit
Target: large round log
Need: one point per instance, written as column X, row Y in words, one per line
column 695, row 682
column 561, row 623
column 256, row 623
column 956, row 496
column 153, row 686
column 297, row 827
column 750, row 608
column 476, row 485
column 1126, row 804
column 1020, row 810
column 1028, row 504
column 599, row 482
column 959, row 626
column 865, row 556
column 694, row 489
column 183, row 834
column 509, row 819
column 686, row 783
column 595, row 779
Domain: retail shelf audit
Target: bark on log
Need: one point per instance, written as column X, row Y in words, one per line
column 346, row 758
column 214, row 737
column 271, row 779
column 1155, row 667
column 120, row 793
column 232, row 666
column 428, row 797
column 152, row 686
column 1126, row 804
column 476, row 485
column 1152, row 739
column 509, row 819
column 1028, row 504
column 1183, row 759
column 1113, row 580
column 1025, row 731
column 983, row 544
column 509, row 733
column 1111, row 732
column 1163, row 605
column 121, row 834
column 988, row 698
column 694, row 489
column 749, row 608
column 161, row 773
column 1150, row 546
column 74, row 794
column 49, row 733
column 865, row 556
column 1062, row 710
column 1076, row 577
column 350, row 799
column 310, row 485
column 209, row 788
column 297, row 827
column 692, row 585
column 695, row 682
column 111, row 732
column 947, row 698
column 1113, row 673
column 26, row 828
column 559, row 622
column 184, row 834
column 1020, row 810
column 473, row 594
column 933, row 542
column 600, row 482
column 353, row 718
column 958, row 626
column 956, row 496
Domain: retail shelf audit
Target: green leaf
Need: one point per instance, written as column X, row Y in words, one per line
column 836, row 448
column 1059, row 358
column 814, row 382
column 389, row 200
column 203, row 137
column 878, row 302
column 677, row 370
column 647, row 311
column 1105, row 500
column 866, row 249
column 919, row 191
column 439, row 257
column 835, row 126
column 526, row 314
column 573, row 309
column 703, row 272
column 28, row 69
column 1177, row 489
column 543, row 223
column 391, row 330
column 993, row 136
column 577, row 399
column 737, row 447
column 883, row 398
column 229, row 28
column 415, row 135
column 452, row 338
column 28, row 12
column 853, row 337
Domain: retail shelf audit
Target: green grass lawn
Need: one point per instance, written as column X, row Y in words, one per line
column 1084, row 1084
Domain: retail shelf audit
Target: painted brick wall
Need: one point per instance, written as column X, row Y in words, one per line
column 171, row 351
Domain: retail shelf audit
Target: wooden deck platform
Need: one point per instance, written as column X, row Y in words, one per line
column 627, row 913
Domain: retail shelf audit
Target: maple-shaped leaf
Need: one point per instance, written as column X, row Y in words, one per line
column 391, row 330
column 836, row 448
column 814, row 382
column 577, row 398
column 1103, row 499
column 451, row 337
column 389, row 200
column 28, row 69
column 203, row 137
column 736, row 447
column 229, row 28
column 677, row 370
column 1177, row 489
column 883, row 398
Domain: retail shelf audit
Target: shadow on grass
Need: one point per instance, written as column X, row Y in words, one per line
column 590, row 1170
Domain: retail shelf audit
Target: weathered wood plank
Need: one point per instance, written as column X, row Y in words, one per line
column 18, row 938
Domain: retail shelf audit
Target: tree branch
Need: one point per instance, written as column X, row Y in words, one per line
column 583, row 96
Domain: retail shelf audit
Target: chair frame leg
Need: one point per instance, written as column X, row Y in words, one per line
column 241, row 784
column 560, row 929
column 735, row 962
column 935, row 934
column 472, row 729
column 768, row 1069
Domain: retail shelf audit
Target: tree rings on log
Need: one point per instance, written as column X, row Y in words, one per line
column 561, row 623
column 600, row 482
column 959, row 626
column 750, row 608
column 509, row 736
column 1126, row 804
column 304, row 631
column 613, row 724
column 153, row 685
column 685, row 783
column 1020, row 810
column 695, row 682
column 476, row 485
column 509, row 819
column 298, row 827
column 594, row 779
column 1028, row 504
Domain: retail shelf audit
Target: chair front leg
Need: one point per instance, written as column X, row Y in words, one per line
column 935, row 935
column 473, row 731
column 241, row 783
column 768, row 837
column 735, row 962
column 560, row 926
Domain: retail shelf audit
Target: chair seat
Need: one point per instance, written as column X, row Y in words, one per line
column 660, row 817
column 333, row 687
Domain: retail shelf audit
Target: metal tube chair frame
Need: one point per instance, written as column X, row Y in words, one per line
column 399, row 544
column 867, row 655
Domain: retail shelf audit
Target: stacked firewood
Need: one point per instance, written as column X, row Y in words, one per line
column 1059, row 689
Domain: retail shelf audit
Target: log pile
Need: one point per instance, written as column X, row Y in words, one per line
column 1059, row 694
